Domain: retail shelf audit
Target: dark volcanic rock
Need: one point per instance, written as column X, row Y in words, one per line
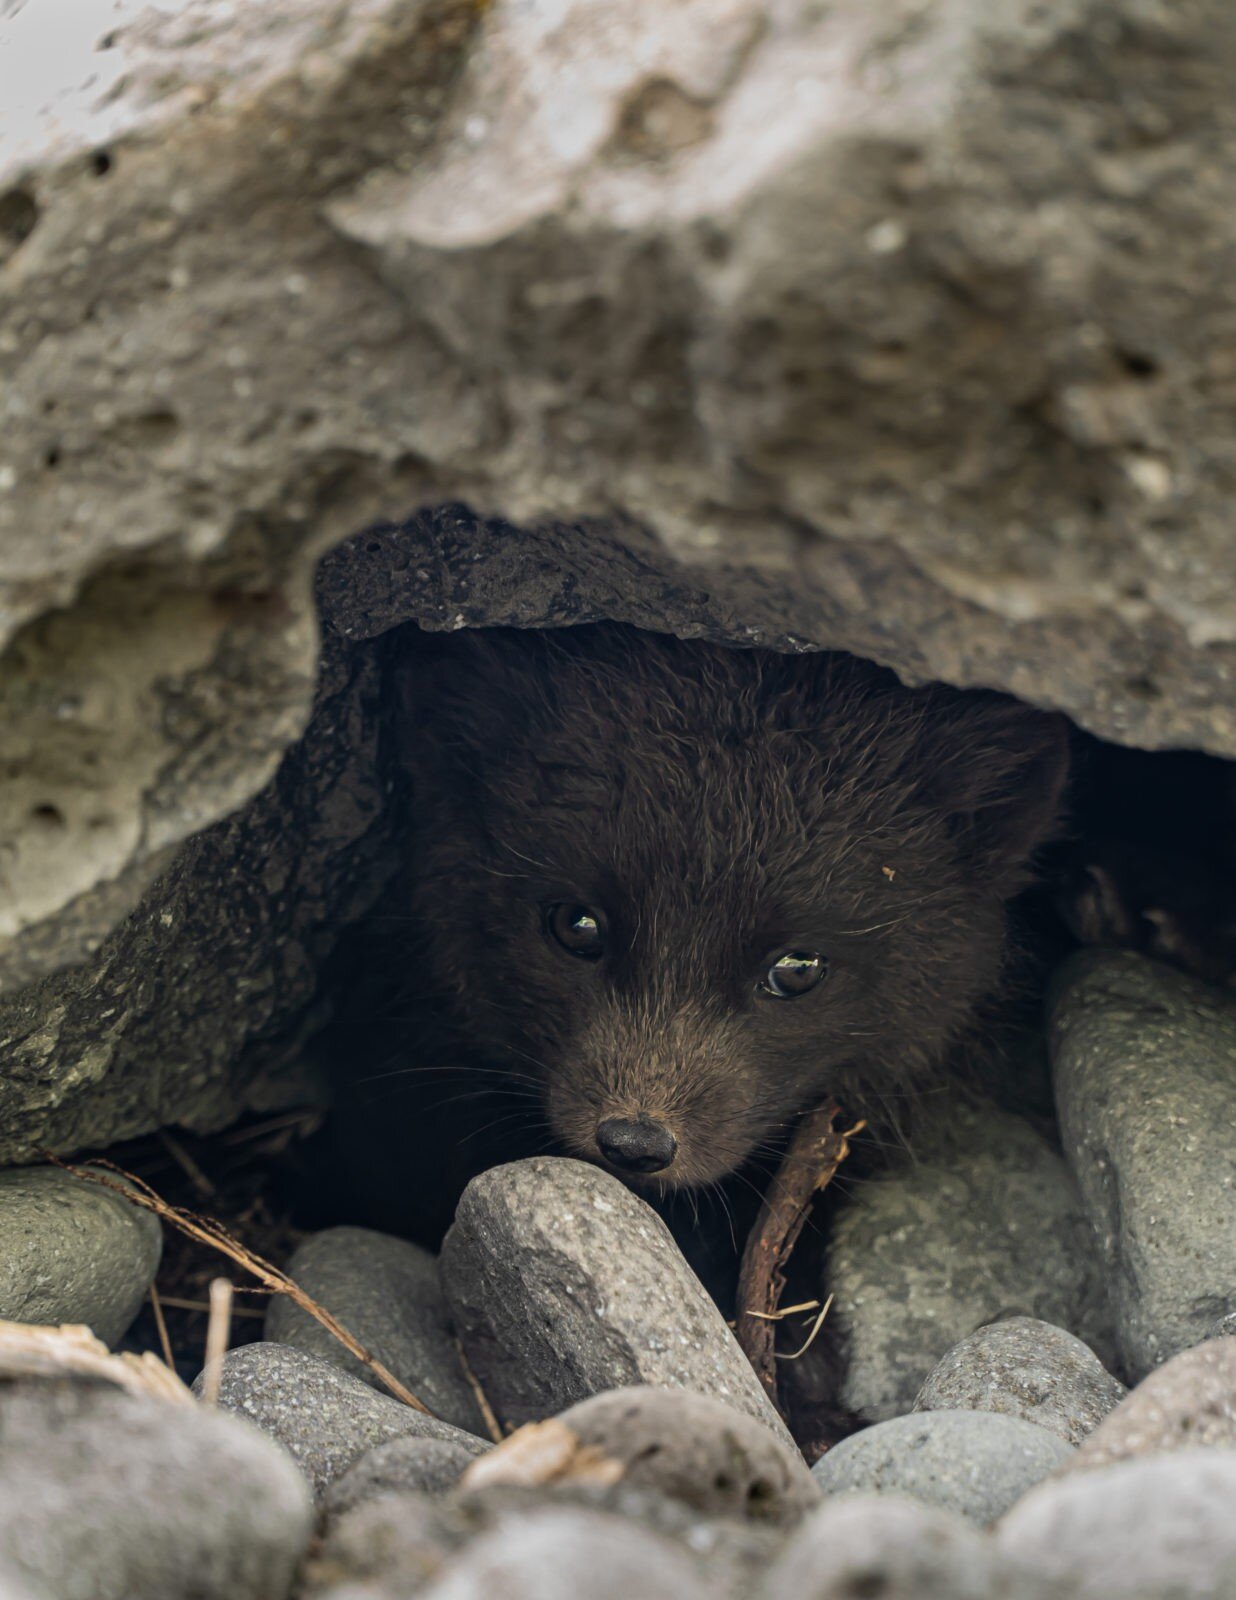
column 71, row 1251
column 1145, row 1070
column 1188, row 1402
column 563, row 1284
column 107, row 1496
column 325, row 1418
column 1029, row 1369
column 1162, row 1526
column 386, row 1293
column 697, row 1450
column 971, row 1462
column 986, row 1220
column 882, row 1545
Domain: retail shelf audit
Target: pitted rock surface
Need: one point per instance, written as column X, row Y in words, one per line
column 386, row 1293
column 72, row 1251
column 972, row 1462
column 985, row 1221
column 697, row 1450
column 108, row 1496
column 563, row 1284
column 1144, row 1061
column 745, row 324
column 1140, row 1529
column 1025, row 1368
column 1188, row 1402
column 323, row 1417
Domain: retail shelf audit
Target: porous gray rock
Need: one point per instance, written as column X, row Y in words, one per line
column 1144, row 1061
column 406, row 1463
column 72, row 1251
column 563, row 1553
column 323, row 1417
column 881, row 1544
column 697, row 1450
column 755, row 352
column 1158, row 1526
column 975, row 1463
column 110, row 1496
column 385, row 1292
column 563, row 1283
column 1025, row 1368
column 1188, row 1402
column 986, row 1221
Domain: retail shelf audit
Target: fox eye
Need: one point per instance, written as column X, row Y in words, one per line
column 578, row 930
column 793, row 974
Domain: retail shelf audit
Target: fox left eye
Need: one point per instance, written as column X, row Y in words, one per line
column 794, row 973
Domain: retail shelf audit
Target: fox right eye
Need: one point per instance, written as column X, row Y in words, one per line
column 577, row 929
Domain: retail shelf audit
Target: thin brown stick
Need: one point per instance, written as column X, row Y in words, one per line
column 218, row 1337
column 209, row 1232
column 175, row 1302
column 809, row 1165
column 492, row 1424
column 165, row 1343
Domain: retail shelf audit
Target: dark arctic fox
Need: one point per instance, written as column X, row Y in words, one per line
column 692, row 890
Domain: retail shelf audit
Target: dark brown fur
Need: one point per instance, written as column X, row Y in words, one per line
column 720, row 806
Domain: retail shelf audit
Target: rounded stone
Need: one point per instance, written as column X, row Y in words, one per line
column 1162, row 1525
column 72, row 1251
column 111, row 1496
column 1029, row 1369
column 972, row 1462
column 385, row 1292
column 1144, row 1065
column 408, row 1463
column 986, row 1220
column 697, row 1450
column 324, row 1418
column 886, row 1546
column 1189, row 1402
column 563, row 1284
column 561, row 1553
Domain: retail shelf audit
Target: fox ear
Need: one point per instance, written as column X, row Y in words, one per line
column 999, row 770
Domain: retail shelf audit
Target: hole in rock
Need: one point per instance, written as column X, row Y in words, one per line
column 19, row 215
column 101, row 163
column 457, row 780
column 47, row 816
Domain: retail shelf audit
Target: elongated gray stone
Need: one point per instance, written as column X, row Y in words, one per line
column 564, row 1284
column 1144, row 1062
column 385, row 1291
column 323, row 1417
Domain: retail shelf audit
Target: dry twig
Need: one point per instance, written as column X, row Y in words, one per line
column 493, row 1426
column 209, row 1232
column 810, row 1162
column 165, row 1344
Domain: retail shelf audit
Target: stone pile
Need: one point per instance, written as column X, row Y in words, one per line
column 987, row 1296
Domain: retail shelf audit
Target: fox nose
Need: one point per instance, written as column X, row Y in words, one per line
column 637, row 1144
